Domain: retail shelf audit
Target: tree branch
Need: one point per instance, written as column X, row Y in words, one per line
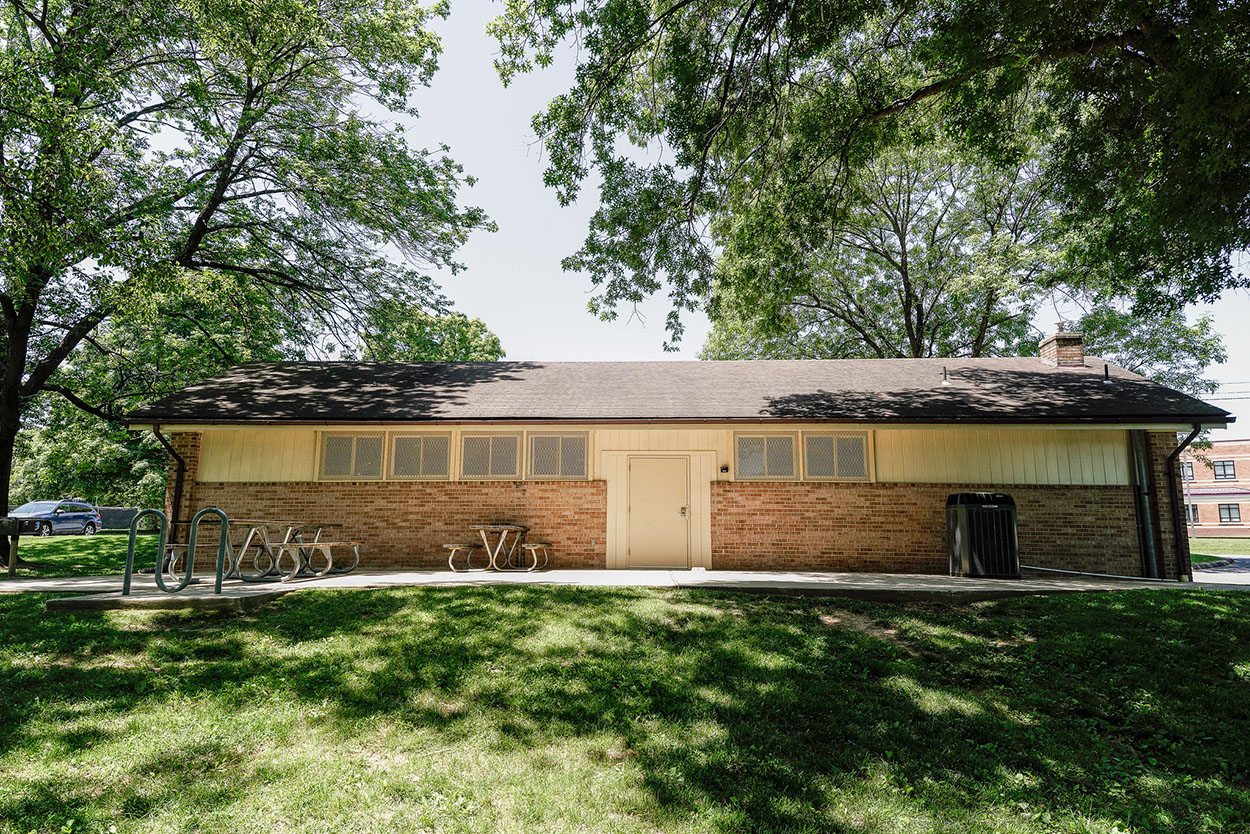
column 1131, row 37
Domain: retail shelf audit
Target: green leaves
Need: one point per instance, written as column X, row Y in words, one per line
column 757, row 116
column 396, row 332
column 185, row 185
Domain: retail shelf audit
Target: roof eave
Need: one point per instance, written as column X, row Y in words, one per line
column 1167, row 420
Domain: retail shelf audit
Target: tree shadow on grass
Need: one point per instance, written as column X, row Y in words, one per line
column 760, row 713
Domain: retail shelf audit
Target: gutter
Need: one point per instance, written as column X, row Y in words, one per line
column 1183, row 571
column 1155, row 422
column 179, row 479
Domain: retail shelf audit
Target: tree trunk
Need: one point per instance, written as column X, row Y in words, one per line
column 16, row 347
column 10, row 421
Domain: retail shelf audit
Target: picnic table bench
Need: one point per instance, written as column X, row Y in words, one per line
column 508, row 552
column 268, row 555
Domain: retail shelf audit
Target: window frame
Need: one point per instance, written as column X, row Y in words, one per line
column 796, row 471
column 836, row 433
column 1230, row 467
column 1191, row 513
column 1227, row 511
column 1187, row 470
column 531, row 436
column 355, row 436
column 392, row 437
column 520, row 456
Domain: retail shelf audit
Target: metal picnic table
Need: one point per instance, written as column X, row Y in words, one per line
column 258, row 538
column 517, row 531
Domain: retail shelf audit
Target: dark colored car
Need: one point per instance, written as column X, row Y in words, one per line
column 45, row 518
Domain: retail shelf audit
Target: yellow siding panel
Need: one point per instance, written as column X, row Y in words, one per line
column 900, row 455
column 238, row 456
column 1001, row 456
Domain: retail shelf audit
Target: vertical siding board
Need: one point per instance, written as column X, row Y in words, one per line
column 1071, row 445
column 951, row 447
column 1104, row 458
column 994, row 449
column 973, row 455
column 210, row 454
column 938, row 454
column 883, row 450
column 1087, row 447
column 236, row 455
column 1035, row 460
column 1018, row 446
column 915, row 456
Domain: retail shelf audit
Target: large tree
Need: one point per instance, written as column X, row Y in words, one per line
column 238, row 154
column 941, row 253
column 74, row 440
column 936, row 254
column 754, row 114
column 396, row 332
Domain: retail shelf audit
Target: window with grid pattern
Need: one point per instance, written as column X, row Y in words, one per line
column 558, row 456
column 835, row 456
column 351, row 457
column 416, row 457
column 1225, row 470
column 1230, row 513
column 1187, row 471
column 765, row 457
column 485, row 457
column 1191, row 510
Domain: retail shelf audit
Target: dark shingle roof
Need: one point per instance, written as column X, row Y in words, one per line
column 853, row 390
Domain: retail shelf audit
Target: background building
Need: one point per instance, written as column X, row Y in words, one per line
column 1216, row 484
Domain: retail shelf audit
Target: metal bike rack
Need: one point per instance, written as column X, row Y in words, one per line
column 223, row 544
column 163, row 532
column 223, row 548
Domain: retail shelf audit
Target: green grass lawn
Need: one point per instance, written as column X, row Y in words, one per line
column 1209, row 550
column 529, row 709
column 102, row 553
column 106, row 553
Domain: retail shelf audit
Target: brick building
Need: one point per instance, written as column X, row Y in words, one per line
column 1216, row 488
column 819, row 465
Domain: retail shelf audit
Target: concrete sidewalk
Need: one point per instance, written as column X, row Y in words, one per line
column 104, row 592
column 1237, row 573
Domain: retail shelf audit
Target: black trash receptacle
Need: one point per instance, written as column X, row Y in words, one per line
column 981, row 535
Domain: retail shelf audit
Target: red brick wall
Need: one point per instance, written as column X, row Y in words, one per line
column 1209, row 525
column 1160, row 445
column 186, row 444
column 1064, row 349
column 814, row 526
column 1204, row 481
column 405, row 524
column 902, row 527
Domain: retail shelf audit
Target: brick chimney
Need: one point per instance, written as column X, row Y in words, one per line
column 1064, row 349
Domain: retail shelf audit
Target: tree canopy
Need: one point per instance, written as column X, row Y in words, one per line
column 402, row 333
column 224, row 169
column 718, row 124
column 941, row 253
column 936, row 254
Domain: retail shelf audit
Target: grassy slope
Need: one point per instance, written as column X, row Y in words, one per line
column 106, row 553
column 1213, row 548
column 569, row 709
column 103, row 553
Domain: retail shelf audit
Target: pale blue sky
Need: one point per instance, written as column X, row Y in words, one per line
column 514, row 282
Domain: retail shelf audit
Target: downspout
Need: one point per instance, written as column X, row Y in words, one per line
column 179, row 478
column 1178, row 529
column 1143, row 498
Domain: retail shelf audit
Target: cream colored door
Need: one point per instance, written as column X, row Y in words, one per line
column 659, row 512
